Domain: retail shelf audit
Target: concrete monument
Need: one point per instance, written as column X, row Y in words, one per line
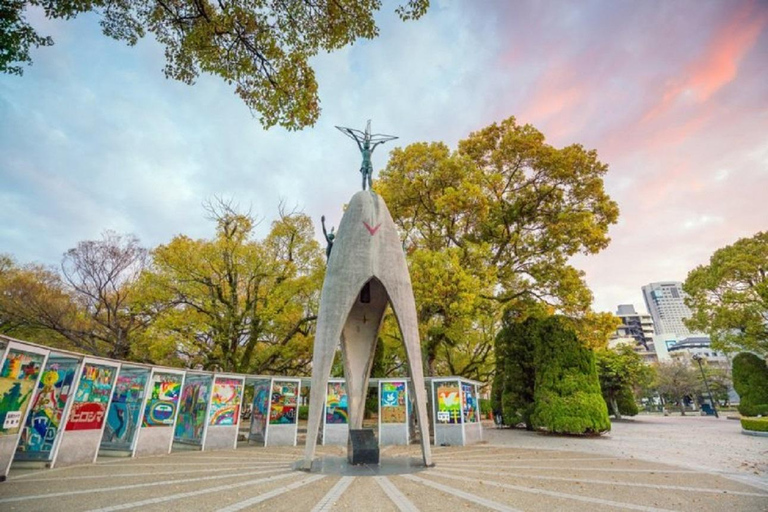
column 366, row 271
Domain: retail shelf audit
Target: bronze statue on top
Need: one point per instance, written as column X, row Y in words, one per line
column 366, row 142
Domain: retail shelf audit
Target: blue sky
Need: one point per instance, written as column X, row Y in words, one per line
column 672, row 95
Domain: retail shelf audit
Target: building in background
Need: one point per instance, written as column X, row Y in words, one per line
column 635, row 329
column 666, row 304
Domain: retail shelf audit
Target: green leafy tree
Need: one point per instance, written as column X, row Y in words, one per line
column 750, row 379
column 567, row 398
column 89, row 305
column 234, row 303
column 677, row 380
column 515, row 380
column 729, row 297
column 620, row 370
column 262, row 47
column 491, row 226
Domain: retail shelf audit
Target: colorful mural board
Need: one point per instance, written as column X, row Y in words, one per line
column 44, row 420
column 194, row 402
column 91, row 397
column 285, row 397
column 164, row 394
column 336, row 404
column 448, row 403
column 260, row 410
column 225, row 401
column 469, row 403
column 123, row 414
column 393, row 406
column 17, row 384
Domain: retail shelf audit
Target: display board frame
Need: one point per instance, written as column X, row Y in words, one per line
column 132, row 448
column 9, row 442
column 193, row 375
column 335, row 433
column 281, row 434
column 395, row 433
column 75, row 445
column 216, row 436
column 157, row 439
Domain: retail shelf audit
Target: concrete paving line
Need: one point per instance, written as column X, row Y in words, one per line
column 500, row 457
column 611, row 482
column 130, row 464
column 271, row 494
column 393, row 493
column 145, row 473
column 493, row 505
column 190, row 494
column 550, row 468
column 439, row 453
column 329, row 500
column 137, row 486
column 554, row 494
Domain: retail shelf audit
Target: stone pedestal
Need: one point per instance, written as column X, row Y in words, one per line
column 362, row 447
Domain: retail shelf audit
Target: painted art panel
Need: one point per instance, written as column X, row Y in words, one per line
column 260, row 410
column 336, row 404
column 448, row 403
column 225, row 401
column 469, row 403
column 285, row 399
column 393, row 406
column 17, row 384
column 44, row 420
column 194, row 402
column 91, row 397
column 123, row 414
column 163, row 399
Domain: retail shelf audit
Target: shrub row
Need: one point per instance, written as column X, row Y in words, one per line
column 755, row 424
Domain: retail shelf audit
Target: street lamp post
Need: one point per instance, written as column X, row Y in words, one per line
column 697, row 358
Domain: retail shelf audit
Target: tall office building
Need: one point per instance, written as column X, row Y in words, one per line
column 636, row 329
column 665, row 303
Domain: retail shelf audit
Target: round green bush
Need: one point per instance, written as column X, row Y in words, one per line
column 567, row 398
column 750, row 379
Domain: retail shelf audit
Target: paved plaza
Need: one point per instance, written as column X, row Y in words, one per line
column 492, row 476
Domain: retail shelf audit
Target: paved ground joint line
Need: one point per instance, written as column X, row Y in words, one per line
column 182, row 495
column 133, row 486
column 329, row 500
column 394, row 494
column 493, row 505
column 554, row 494
column 271, row 494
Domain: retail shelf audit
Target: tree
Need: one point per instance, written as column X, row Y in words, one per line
column 233, row 303
column 750, row 379
column 677, row 380
column 567, row 397
column 515, row 384
column 729, row 297
column 620, row 370
column 491, row 226
column 90, row 303
column 260, row 46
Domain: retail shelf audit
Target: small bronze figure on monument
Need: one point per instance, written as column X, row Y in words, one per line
column 329, row 237
column 366, row 143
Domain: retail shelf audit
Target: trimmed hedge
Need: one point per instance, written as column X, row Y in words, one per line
column 626, row 402
column 515, row 370
column 567, row 398
column 303, row 412
column 750, row 379
column 755, row 424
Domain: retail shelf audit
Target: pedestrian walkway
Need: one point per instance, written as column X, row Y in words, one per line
column 483, row 477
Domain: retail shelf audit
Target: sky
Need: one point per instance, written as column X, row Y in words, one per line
column 672, row 95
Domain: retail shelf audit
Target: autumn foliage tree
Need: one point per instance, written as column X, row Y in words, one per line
column 235, row 303
column 261, row 47
column 492, row 225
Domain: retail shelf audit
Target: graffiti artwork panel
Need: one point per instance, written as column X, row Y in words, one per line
column 448, row 403
column 17, row 383
column 44, row 420
column 336, row 405
column 285, row 399
column 163, row 399
column 225, row 401
column 393, row 402
column 260, row 410
column 469, row 403
column 123, row 414
column 91, row 397
column 194, row 402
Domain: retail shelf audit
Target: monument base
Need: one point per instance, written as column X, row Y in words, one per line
column 362, row 447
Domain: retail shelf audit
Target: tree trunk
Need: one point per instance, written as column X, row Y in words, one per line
column 615, row 407
column 682, row 406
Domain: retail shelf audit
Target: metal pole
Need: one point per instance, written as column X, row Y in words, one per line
column 704, row 377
